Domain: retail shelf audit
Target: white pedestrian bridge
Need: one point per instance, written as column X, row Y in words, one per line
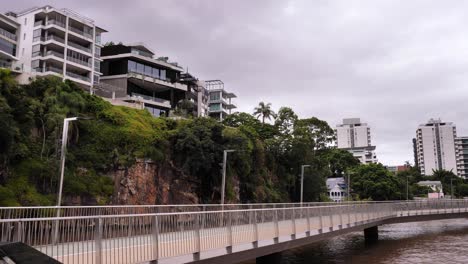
column 203, row 233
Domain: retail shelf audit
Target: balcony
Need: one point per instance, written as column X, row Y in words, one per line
column 38, row 23
column 53, row 53
column 84, row 63
column 7, row 34
column 80, row 32
column 50, row 69
column 77, row 46
column 57, row 23
column 77, row 76
column 150, row 99
column 53, row 37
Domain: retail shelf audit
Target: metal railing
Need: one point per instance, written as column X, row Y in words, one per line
column 78, row 46
column 142, row 237
column 81, row 62
column 51, row 211
column 8, row 34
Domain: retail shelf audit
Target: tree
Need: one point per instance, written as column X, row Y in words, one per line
column 264, row 110
column 340, row 161
column 374, row 181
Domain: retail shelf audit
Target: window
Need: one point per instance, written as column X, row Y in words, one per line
column 35, row 64
column 22, row 52
column 148, row 71
column 155, row 73
column 96, row 79
column 37, row 35
column 132, row 66
column 25, row 21
column 36, row 50
column 24, row 36
column 97, row 52
column 215, row 96
column 162, row 74
column 140, row 68
column 97, row 65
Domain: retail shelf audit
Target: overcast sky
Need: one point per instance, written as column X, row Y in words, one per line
column 394, row 64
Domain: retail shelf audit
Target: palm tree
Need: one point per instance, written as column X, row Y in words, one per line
column 264, row 110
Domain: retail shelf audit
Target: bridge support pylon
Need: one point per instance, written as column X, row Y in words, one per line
column 371, row 234
column 274, row 258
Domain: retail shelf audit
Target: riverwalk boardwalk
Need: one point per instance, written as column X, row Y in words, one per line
column 203, row 233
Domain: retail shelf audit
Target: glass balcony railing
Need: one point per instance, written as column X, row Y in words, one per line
column 80, row 32
column 133, row 71
column 7, row 34
column 53, row 37
column 150, row 98
column 49, row 69
column 78, row 46
column 77, row 76
column 81, row 62
column 38, row 23
column 55, row 22
column 54, row 53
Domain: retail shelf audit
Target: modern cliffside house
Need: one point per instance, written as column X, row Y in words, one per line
column 355, row 137
column 219, row 101
column 131, row 74
column 196, row 93
column 59, row 42
column 9, row 43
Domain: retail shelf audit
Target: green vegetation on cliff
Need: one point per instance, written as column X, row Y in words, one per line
column 264, row 168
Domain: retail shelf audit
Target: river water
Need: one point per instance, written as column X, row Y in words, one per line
column 420, row 242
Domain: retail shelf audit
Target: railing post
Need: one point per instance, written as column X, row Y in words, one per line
column 349, row 215
column 330, row 209
column 320, row 220
column 155, row 239
column 18, row 231
column 196, row 254
column 341, row 217
column 276, row 238
column 230, row 238
column 307, row 210
column 98, row 239
column 255, row 242
column 293, row 235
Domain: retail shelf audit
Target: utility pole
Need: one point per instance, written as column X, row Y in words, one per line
column 223, row 183
column 302, row 182
column 349, row 186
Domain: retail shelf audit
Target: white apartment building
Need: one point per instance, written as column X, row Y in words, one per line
column 435, row 146
column 59, row 42
column 355, row 137
column 8, row 43
column 461, row 150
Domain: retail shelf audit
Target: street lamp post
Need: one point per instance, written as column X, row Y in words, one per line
column 302, row 182
column 348, row 187
column 66, row 121
column 223, row 183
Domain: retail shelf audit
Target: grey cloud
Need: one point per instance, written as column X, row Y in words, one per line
column 395, row 64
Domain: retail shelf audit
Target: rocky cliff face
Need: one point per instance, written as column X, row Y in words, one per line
column 148, row 183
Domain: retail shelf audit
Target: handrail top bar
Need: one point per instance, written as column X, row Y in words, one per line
column 165, row 214
column 199, row 205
